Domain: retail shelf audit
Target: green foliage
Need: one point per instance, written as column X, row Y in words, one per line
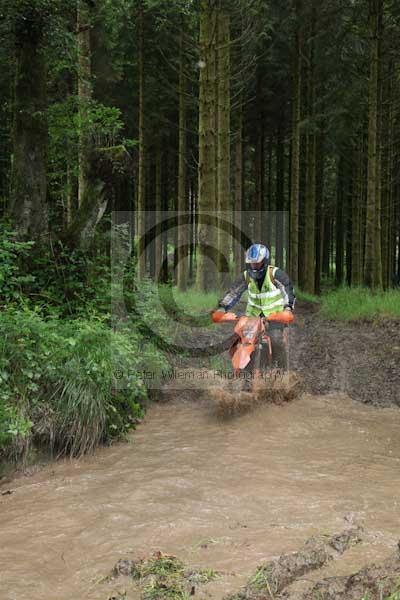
column 305, row 297
column 102, row 126
column 14, row 427
column 58, row 357
column 13, row 279
column 193, row 300
column 190, row 306
column 59, row 377
column 104, row 122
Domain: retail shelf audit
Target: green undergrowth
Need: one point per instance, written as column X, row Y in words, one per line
column 58, row 386
column 190, row 302
column 341, row 304
column 357, row 304
column 305, row 297
column 61, row 357
column 200, row 302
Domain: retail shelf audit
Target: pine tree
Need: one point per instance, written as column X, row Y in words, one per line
column 206, row 268
column 28, row 203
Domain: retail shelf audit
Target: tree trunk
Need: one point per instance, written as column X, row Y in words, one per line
column 150, row 215
column 295, row 166
column 340, row 226
column 386, row 205
column 28, row 202
column 69, row 195
column 372, row 266
column 207, row 257
column 141, row 193
column 158, row 214
column 310, row 198
column 183, row 227
column 269, row 230
column 192, row 200
column 224, row 143
column 165, row 191
column 84, row 94
column 326, row 245
column 348, row 218
column 238, row 250
column 357, row 199
column 259, row 163
column 320, row 231
column 109, row 168
column 280, row 196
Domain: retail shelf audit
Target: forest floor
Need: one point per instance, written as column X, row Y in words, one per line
column 267, row 505
column 360, row 359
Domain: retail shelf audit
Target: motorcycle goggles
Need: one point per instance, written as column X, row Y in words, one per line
column 257, row 266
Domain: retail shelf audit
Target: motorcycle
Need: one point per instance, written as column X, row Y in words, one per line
column 252, row 352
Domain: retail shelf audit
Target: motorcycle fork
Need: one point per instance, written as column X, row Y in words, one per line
column 264, row 342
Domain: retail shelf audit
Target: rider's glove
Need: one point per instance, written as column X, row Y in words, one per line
column 289, row 308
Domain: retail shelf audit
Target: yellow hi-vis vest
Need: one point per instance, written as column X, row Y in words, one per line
column 268, row 300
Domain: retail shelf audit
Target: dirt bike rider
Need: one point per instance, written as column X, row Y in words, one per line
column 269, row 291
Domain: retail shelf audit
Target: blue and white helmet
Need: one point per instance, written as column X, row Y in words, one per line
column 257, row 260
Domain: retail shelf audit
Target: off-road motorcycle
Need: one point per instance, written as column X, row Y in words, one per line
column 252, row 351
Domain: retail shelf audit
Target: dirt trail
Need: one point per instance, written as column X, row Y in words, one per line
column 222, row 494
column 359, row 359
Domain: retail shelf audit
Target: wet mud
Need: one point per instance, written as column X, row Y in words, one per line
column 360, row 359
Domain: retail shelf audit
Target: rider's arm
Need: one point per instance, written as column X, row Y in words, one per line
column 233, row 296
column 282, row 280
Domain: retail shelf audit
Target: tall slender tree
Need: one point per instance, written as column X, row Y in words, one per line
column 310, row 196
column 85, row 93
column 183, row 226
column 372, row 266
column 207, row 258
column 28, row 202
column 295, row 154
column 141, row 177
column 224, row 139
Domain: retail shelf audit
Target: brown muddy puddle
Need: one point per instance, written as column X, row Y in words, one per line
column 225, row 495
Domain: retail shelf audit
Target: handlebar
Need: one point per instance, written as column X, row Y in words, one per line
column 284, row 317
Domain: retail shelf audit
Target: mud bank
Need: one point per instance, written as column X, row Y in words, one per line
column 359, row 359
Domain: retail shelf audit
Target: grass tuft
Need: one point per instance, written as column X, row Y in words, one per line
column 164, row 577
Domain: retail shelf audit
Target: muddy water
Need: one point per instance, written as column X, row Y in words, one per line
column 224, row 495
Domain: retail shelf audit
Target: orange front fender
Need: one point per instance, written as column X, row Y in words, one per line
column 242, row 355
